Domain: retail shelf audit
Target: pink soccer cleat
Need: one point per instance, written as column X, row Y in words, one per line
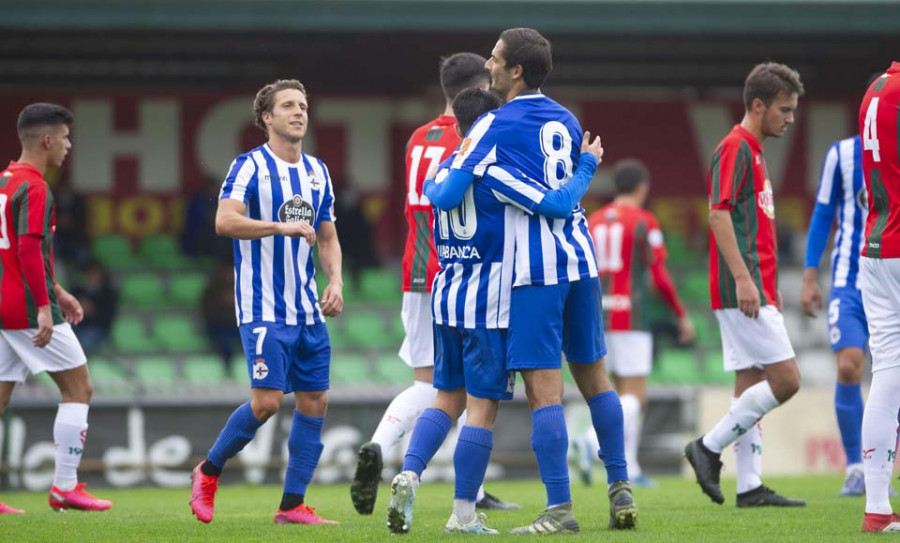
column 875, row 523
column 203, row 494
column 302, row 514
column 77, row 498
column 7, row 510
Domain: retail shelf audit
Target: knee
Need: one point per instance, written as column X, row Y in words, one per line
column 313, row 404
column 787, row 388
column 849, row 369
column 265, row 408
column 80, row 392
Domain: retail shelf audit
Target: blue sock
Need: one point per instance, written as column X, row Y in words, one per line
column 470, row 461
column 238, row 431
column 550, row 441
column 428, row 435
column 606, row 415
column 848, row 404
column 304, row 449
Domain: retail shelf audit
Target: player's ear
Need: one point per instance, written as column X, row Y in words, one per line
column 758, row 105
column 46, row 141
column 516, row 71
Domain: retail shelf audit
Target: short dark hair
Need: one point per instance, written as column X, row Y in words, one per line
column 462, row 70
column 769, row 79
column 472, row 103
column 39, row 115
column 526, row 47
column 265, row 98
column 629, row 174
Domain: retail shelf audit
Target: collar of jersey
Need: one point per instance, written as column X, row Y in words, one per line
column 528, row 96
column 271, row 153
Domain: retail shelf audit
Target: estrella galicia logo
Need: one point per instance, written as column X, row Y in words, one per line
column 296, row 210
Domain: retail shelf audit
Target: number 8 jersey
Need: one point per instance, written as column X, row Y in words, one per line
column 542, row 139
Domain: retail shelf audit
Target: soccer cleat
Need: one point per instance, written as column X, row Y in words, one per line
column 489, row 501
column 763, row 496
column 475, row 526
column 403, row 497
column 364, row 488
column 302, row 514
column 77, row 498
column 203, row 494
column 875, row 523
column 707, row 467
column 558, row 519
column 7, row 510
column 643, row 481
column 622, row 510
column 854, row 483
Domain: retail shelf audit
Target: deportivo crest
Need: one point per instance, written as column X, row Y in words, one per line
column 313, row 180
column 766, row 200
column 296, row 210
column 260, row 370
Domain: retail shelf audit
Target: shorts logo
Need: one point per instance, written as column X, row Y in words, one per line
column 296, row 210
column 834, row 334
column 510, row 382
column 260, row 370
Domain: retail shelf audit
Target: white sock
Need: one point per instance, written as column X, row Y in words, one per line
column 69, row 431
column 748, row 458
column 400, row 416
column 879, row 438
column 460, row 422
column 465, row 510
column 631, row 411
column 755, row 402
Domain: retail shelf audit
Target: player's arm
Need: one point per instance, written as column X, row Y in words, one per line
column 31, row 201
column 830, row 184
column 330, row 258
column 448, row 193
column 68, row 304
column 726, row 242
column 664, row 285
column 231, row 222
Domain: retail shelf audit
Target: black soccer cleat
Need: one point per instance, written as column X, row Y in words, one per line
column 707, row 467
column 364, row 488
column 763, row 496
column 489, row 501
column 622, row 510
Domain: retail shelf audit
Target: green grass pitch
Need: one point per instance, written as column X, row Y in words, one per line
column 676, row 511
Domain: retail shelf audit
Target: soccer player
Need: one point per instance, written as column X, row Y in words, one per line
column 273, row 196
column 36, row 313
column 470, row 304
column 744, row 291
column 428, row 146
column 879, row 278
column 628, row 241
column 555, row 302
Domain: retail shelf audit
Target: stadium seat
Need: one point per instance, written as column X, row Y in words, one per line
column 204, row 369
column 178, row 333
column 365, row 330
column 186, row 288
column 350, row 369
column 708, row 334
column 108, row 375
column 129, row 335
column 391, row 370
column 380, row 285
column 713, row 372
column 161, row 251
column 238, row 368
column 143, row 290
column 678, row 366
column 155, row 371
column 695, row 287
column 114, row 251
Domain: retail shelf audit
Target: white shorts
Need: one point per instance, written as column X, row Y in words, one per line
column 19, row 357
column 879, row 280
column 417, row 349
column 629, row 354
column 753, row 343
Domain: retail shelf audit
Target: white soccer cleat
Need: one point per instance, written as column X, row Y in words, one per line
column 474, row 526
column 403, row 497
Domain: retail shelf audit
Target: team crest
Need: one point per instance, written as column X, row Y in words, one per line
column 766, row 200
column 464, row 146
column 313, row 181
column 260, row 370
column 296, row 209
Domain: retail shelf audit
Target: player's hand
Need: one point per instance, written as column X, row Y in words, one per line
column 686, row 331
column 332, row 302
column 45, row 327
column 70, row 307
column 299, row 229
column 592, row 147
column 748, row 297
column 810, row 295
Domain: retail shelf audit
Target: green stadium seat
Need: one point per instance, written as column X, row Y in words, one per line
column 390, row 370
column 186, row 288
column 155, row 371
column 380, row 285
column 350, row 369
column 114, row 251
column 678, row 366
column 178, row 333
column 108, row 375
column 204, row 369
column 161, row 251
column 238, row 368
column 696, row 288
column 142, row 290
column 366, row 330
column 713, row 372
column 129, row 335
column 708, row 334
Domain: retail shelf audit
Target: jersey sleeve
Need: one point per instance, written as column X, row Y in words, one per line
column 478, row 149
column 728, row 169
column 30, row 203
column 656, row 261
column 241, row 180
column 327, row 207
column 656, row 247
column 511, row 186
column 827, row 197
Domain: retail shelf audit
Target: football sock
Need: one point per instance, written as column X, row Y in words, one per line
column 69, row 430
column 607, row 418
column 428, row 435
column 460, row 422
column 631, row 415
column 755, row 402
column 879, row 438
column 238, row 431
column 290, row 501
column 748, row 458
column 848, row 405
column 304, row 449
column 550, row 441
column 401, row 414
column 470, row 461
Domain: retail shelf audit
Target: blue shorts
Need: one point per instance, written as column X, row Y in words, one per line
column 474, row 359
column 287, row 357
column 545, row 321
column 846, row 320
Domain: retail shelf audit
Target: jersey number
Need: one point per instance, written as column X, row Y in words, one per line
column 461, row 219
column 260, row 332
column 870, row 130
column 4, row 237
column 608, row 240
column 556, row 144
column 415, row 181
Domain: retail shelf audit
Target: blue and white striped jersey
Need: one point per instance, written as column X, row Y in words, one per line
column 475, row 244
column 842, row 193
column 275, row 278
column 542, row 139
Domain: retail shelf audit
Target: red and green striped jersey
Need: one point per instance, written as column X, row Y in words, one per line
column 879, row 126
column 26, row 207
column 429, row 145
column 738, row 181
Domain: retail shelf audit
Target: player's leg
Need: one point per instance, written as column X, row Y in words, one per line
column 6, row 388
column 748, row 447
column 633, row 395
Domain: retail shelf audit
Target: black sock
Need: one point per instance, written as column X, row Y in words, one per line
column 290, row 501
column 209, row 469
